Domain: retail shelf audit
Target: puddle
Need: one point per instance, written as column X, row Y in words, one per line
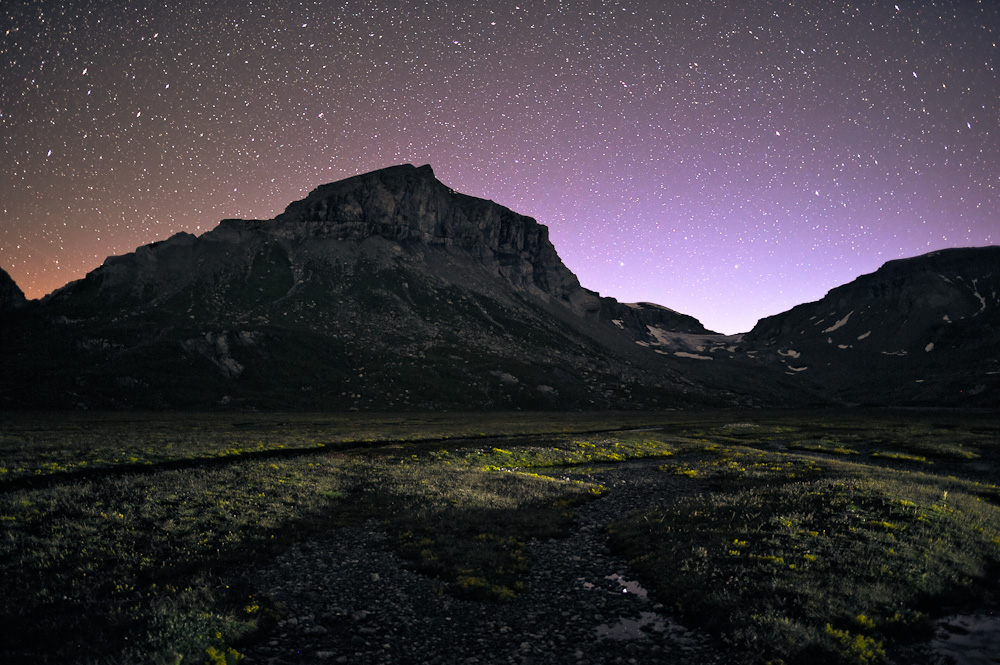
column 969, row 639
column 632, row 629
column 629, row 586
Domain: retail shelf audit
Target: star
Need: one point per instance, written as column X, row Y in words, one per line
column 660, row 128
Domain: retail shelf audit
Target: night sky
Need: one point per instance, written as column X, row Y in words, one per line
column 728, row 159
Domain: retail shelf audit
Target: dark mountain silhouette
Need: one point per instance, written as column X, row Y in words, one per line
column 389, row 290
column 11, row 296
column 924, row 330
column 383, row 291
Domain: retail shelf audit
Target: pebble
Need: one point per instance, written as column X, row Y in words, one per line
column 349, row 598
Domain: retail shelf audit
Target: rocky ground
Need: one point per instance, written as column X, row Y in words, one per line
column 350, row 599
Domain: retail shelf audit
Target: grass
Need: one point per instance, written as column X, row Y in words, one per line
column 35, row 446
column 118, row 532
column 144, row 545
column 790, row 558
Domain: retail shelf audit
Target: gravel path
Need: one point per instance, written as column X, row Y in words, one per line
column 350, row 599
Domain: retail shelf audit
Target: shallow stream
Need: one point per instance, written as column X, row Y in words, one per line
column 969, row 639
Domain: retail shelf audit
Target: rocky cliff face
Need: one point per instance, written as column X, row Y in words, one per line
column 407, row 205
column 11, row 296
column 404, row 207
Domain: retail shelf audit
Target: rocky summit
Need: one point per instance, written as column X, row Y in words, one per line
column 391, row 291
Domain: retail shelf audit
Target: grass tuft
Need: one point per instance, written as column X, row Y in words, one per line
column 788, row 557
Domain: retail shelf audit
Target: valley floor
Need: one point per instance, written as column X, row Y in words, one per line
column 833, row 536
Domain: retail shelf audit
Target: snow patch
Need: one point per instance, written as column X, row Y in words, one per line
column 843, row 346
column 790, row 353
column 648, row 305
column 688, row 342
column 929, row 347
column 861, row 337
column 894, row 353
column 982, row 300
column 799, row 369
column 619, row 323
column 839, row 324
column 695, row 356
column 946, row 319
column 660, row 334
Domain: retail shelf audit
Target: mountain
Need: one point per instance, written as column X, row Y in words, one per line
column 391, row 291
column 11, row 296
column 387, row 290
column 924, row 330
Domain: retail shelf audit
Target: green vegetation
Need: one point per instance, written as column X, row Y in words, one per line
column 98, row 522
column 34, row 446
column 119, row 531
column 788, row 557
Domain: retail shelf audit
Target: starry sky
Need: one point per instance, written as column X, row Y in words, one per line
column 727, row 159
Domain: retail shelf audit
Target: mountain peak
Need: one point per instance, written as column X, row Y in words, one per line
column 11, row 295
column 407, row 203
column 386, row 188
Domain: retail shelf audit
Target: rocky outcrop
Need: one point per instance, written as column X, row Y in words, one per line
column 11, row 296
column 647, row 316
column 406, row 204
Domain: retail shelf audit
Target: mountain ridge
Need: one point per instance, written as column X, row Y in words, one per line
column 459, row 302
column 925, row 329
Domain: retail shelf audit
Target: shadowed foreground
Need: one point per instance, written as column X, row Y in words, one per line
column 824, row 537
